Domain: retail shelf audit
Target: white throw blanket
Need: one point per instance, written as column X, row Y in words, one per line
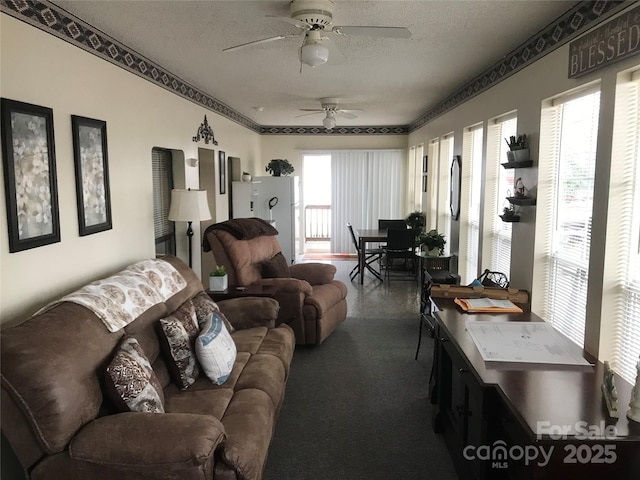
column 119, row 299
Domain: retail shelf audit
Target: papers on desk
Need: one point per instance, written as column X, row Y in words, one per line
column 528, row 342
column 487, row 305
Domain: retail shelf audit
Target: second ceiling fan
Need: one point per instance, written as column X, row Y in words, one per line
column 315, row 19
column 330, row 108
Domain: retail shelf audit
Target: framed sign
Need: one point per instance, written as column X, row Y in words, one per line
column 29, row 163
column 92, row 174
column 456, row 179
column 222, row 165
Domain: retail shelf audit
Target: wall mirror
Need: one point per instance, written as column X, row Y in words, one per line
column 456, row 178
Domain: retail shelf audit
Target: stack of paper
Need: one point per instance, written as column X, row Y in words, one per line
column 487, row 305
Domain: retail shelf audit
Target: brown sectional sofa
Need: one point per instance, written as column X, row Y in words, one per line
column 61, row 425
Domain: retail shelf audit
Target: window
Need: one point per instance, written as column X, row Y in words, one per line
column 432, row 184
column 568, row 140
column 444, row 194
column 470, row 203
column 620, row 328
column 164, row 232
column 496, row 245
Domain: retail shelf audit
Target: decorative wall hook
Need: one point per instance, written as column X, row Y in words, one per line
column 205, row 133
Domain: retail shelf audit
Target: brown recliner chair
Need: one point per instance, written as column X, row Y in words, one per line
column 312, row 303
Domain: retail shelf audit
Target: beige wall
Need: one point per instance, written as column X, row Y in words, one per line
column 38, row 68
column 525, row 92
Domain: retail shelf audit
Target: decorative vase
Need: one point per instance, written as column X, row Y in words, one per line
column 218, row 284
column 434, row 252
column 246, row 177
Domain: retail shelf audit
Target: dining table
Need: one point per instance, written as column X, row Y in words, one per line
column 367, row 236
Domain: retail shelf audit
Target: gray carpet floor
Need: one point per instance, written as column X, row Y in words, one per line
column 356, row 407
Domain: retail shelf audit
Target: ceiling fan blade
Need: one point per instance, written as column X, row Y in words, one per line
column 257, row 42
column 311, row 109
column 383, row 32
column 336, row 57
column 292, row 21
column 307, row 114
column 343, row 114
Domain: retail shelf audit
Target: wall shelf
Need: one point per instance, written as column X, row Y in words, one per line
column 522, row 201
column 518, row 164
column 511, row 219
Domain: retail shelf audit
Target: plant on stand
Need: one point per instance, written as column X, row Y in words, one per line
column 278, row 167
column 433, row 242
column 218, row 279
column 416, row 220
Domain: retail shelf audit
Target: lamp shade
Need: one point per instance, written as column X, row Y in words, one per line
column 314, row 54
column 189, row 206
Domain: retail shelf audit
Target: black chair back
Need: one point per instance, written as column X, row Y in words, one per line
column 392, row 225
column 353, row 237
column 401, row 240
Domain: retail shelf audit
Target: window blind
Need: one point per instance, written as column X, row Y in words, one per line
column 432, row 184
column 162, row 184
column 444, row 186
column 620, row 337
column 570, row 145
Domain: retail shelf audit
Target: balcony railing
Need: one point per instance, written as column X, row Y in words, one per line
column 317, row 221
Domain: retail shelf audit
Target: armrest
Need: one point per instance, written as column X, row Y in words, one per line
column 289, row 285
column 314, row 273
column 247, row 312
column 147, row 439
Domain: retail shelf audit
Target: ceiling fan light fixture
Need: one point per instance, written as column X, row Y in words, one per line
column 329, row 121
column 314, row 54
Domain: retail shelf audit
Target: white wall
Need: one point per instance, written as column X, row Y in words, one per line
column 525, row 92
column 41, row 69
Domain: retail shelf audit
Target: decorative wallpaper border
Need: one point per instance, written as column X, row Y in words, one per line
column 57, row 21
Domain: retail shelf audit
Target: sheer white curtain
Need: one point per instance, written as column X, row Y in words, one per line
column 366, row 186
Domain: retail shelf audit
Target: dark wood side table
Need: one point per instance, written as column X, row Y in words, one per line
column 255, row 290
column 506, row 409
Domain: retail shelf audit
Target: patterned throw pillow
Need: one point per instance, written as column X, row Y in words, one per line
column 216, row 350
column 177, row 335
column 131, row 383
column 205, row 307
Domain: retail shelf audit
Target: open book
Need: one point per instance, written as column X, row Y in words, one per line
column 487, row 305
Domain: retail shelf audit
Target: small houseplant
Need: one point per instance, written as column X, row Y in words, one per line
column 433, row 242
column 218, row 279
column 518, row 148
column 416, row 220
column 278, row 167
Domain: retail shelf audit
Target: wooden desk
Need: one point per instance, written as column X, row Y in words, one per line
column 364, row 237
column 478, row 403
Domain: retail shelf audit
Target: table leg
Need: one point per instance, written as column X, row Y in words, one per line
column 361, row 255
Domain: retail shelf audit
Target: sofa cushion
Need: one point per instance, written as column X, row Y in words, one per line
column 215, row 349
column 205, row 306
column 275, row 267
column 178, row 334
column 130, row 381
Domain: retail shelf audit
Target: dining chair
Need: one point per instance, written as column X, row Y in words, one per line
column 400, row 246
column 371, row 255
column 494, row 279
column 391, row 224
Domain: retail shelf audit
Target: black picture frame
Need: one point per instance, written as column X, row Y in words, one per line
column 425, row 163
column 29, row 166
column 92, row 174
column 222, row 165
column 424, row 184
column 456, row 180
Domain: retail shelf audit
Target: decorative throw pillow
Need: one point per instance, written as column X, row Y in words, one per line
column 276, row 267
column 216, row 350
column 177, row 335
column 131, row 383
column 205, row 306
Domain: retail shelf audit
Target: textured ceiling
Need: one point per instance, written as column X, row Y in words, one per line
column 393, row 81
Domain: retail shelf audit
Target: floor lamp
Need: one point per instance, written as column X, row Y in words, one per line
column 189, row 206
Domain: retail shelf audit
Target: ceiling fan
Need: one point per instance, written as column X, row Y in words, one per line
column 315, row 18
column 330, row 108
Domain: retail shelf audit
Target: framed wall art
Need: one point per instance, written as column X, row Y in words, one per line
column 222, row 165
column 29, row 163
column 92, row 174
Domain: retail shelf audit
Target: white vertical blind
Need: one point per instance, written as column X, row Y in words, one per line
column 620, row 332
column 571, row 199
column 470, row 203
column 366, row 186
column 162, row 184
column 496, row 250
column 432, row 183
column 417, row 199
column 444, row 186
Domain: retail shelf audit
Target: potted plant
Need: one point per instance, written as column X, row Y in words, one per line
column 278, row 167
column 246, row 177
column 416, row 220
column 518, row 148
column 218, row 279
column 433, row 242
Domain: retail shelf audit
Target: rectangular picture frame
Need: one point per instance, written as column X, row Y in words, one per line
column 222, row 166
column 92, row 174
column 29, row 165
column 425, row 164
